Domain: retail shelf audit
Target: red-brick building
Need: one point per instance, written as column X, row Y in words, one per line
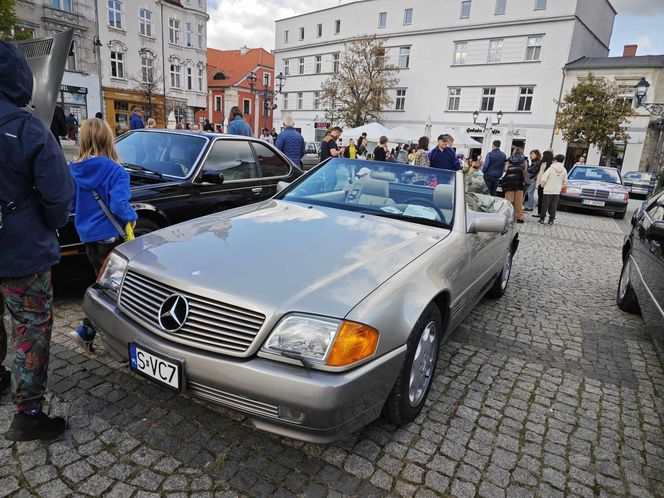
column 229, row 85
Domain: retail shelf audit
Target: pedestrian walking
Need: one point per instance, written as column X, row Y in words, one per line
column 493, row 167
column 443, row 156
column 59, row 124
column 136, row 120
column 274, row 134
column 291, row 142
column 553, row 180
column 102, row 204
column 207, row 126
column 361, row 148
column 380, row 152
column 350, row 152
column 545, row 164
column 237, row 125
column 329, row 146
column 421, row 156
column 72, row 126
column 514, row 181
column 266, row 137
column 533, row 171
column 35, row 198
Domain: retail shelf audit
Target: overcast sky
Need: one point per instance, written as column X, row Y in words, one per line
column 234, row 23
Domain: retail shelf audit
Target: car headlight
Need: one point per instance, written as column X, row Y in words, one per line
column 618, row 196
column 572, row 191
column 322, row 341
column 111, row 273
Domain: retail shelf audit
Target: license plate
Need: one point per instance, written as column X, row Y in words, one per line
column 156, row 366
column 593, row 203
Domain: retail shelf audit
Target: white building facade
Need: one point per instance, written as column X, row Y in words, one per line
column 455, row 57
column 166, row 37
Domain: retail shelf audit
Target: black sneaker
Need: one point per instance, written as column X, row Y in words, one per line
column 541, row 222
column 5, row 380
column 550, row 222
column 30, row 427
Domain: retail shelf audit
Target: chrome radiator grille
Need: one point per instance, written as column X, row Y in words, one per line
column 596, row 194
column 210, row 325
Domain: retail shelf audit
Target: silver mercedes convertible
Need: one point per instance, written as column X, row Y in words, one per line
column 318, row 310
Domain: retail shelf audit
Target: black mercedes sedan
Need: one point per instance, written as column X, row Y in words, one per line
column 641, row 286
column 181, row 175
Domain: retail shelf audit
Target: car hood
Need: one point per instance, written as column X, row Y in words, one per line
column 613, row 187
column 277, row 256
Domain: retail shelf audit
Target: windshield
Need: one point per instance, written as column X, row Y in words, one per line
column 392, row 190
column 172, row 154
column 595, row 173
column 645, row 177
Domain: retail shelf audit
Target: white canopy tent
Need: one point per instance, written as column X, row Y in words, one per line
column 402, row 134
column 461, row 138
column 373, row 130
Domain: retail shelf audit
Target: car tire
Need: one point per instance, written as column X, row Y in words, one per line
column 619, row 216
column 625, row 296
column 503, row 279
column 412, row 387
column 145, row 226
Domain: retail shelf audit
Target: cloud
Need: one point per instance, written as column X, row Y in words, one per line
column 639, row 8
column 646, row 45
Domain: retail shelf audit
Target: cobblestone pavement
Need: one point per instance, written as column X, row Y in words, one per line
column 550, row 391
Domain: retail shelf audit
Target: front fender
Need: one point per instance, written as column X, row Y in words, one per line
column 143, row 206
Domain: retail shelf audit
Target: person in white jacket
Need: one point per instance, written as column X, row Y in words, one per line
column 553, row 180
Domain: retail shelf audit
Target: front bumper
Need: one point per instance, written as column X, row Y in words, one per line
column 577, row 202
column 639, row 189
column 292, row 401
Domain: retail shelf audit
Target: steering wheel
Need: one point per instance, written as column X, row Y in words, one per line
column 422, row 202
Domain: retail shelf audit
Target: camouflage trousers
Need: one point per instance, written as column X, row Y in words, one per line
column 28, row 301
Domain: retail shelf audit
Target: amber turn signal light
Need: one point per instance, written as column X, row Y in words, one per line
column 354, row 342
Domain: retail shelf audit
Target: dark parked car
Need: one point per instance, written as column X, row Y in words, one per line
column 637, row 182
column 180, row 175
column 595, row 187
column 641, row 286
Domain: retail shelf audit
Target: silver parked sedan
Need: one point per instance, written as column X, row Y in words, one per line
column 318, row 310
column 595, row 187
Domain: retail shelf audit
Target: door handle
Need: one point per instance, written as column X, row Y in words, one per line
column 257, row 190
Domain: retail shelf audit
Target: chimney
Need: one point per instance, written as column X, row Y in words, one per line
column 244, row 50
column 630, row 50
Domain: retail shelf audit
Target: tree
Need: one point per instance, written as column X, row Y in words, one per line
column 150, row 85
column 357, row 92
column 594, row 113
column 8, row 22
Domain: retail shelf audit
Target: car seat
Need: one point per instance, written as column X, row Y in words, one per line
column 374, row 192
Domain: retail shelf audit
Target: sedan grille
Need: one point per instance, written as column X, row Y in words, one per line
column 209, row 325
column 595, row 194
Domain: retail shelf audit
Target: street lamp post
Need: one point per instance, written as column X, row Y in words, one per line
column 656, row 109
column 268, row 95
column 485, row 125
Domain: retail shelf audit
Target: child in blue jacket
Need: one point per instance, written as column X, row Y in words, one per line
column 97, row 169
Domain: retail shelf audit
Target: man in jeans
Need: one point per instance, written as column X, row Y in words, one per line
column 494, row 167
column 35, row 195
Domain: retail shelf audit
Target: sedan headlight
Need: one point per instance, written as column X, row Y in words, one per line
column 572, row 191
column 618, row 196
column 111, row 273
column 322, row 341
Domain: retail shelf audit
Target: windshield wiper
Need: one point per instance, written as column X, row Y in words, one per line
column 415, row 219
column 138, row 167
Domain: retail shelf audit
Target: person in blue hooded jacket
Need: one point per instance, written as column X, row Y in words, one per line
column 237, row 125
column 35, row 198
column 135, row 121
column 291, row 142
column 97, row 170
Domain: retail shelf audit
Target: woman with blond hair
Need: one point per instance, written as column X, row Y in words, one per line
column 151, row 123
column 99, row 180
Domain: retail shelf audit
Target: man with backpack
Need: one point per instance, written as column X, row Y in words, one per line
column 35, row 196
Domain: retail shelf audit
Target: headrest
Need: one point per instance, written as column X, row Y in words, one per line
column 383, row 175
column 371, row 186
column 443, row 196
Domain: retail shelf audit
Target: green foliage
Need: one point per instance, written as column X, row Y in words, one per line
column 358, row 92
column 8, row 19
column 594, row 113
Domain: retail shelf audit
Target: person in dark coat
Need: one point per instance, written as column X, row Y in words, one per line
column 443, row 156
column 545, row 164
column 515, row 180
column 72, row 126
column 291, row 142
column 136, row 121
column 59, row 124
column 35, row 198
column 494, row 167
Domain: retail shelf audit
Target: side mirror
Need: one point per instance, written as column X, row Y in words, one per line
column 489, row 223
column 212, row 177
column 282, row 185
column 656, row 232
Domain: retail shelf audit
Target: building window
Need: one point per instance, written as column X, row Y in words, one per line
column 465, row 9
column 285, row 101
column 460, row 52
column 145, row 22
column 335, row 62
column 300, row 100
column 488, row 98
column 540, row 4
column 316, row 100
column 201, row 35
column 407, row 17
column 286, row 67
column 525, row 98
column 174, row 31
column 62, row 4
column 246, row 107
column 301, row 66
column 534, row 48
column 286, row 36
column 147, row 68
column 301, row 34
column 266, row 80
column 318, row 66
column 501, row 6
column 114, row 14
column 175, row 76
column 117, row 64
column 179, row 114
column 71, row 58
column 337, row 26
column 404, row 57
column 319, row 30
column 266, row 109
column 401, row 99
column 190, row 78
column 217, row 103
column 454, row 99
column 189, row 35
column 495, row 50
column 382, row 20
column 200, row 79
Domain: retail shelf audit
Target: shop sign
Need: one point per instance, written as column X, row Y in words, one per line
column 495, row 131
column 321, row 126
column 73, row 89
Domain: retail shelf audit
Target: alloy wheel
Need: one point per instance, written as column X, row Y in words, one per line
column 421, row 371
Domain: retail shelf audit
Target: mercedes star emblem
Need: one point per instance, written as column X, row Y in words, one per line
column 173, row 313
